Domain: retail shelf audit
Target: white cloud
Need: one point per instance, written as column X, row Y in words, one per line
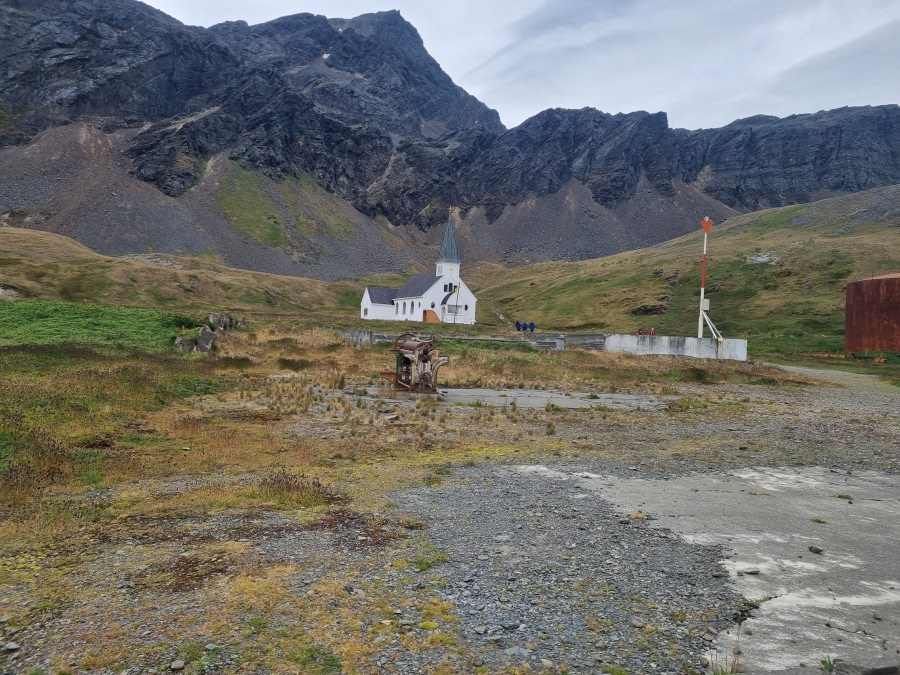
column 705, row 62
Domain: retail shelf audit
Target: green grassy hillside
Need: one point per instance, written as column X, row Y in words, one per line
column 283, row 213
column 776, row 277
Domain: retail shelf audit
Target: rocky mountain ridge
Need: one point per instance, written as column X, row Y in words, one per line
column 359, row 107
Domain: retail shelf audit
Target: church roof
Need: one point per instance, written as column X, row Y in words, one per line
column 416, row 285
column 382, row 296
column 449, row 251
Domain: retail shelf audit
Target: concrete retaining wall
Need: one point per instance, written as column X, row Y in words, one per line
column 701, row 348
column 357, row 337
column 587, row 340
column 664, row 345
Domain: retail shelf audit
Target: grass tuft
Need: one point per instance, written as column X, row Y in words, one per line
column 317, row 660
column 424, row 563
column 297, row 489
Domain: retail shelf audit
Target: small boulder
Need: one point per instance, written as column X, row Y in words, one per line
column 9, row 293
column 185, row 344
column 219, row 322
column 649, row 309
column 206, row 339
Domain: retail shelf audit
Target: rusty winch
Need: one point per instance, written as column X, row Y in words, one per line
column 417, row 364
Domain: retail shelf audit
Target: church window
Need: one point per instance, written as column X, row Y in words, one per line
column 432, row 305
column 404, row 307
column 396, row 308
column 467, row 308
column 366, row 311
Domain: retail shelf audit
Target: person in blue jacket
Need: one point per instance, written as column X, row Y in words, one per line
column 518, row 326
column 531, row 326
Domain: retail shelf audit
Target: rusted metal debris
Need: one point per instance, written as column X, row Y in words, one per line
column 417, row 364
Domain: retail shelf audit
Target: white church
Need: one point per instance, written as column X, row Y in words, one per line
column 441, row 297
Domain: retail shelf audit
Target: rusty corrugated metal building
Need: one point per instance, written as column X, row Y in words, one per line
column 872, row 314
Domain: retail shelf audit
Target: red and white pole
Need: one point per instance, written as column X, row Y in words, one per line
column 706, row 224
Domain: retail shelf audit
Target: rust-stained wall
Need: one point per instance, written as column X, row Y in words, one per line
column 872, row 315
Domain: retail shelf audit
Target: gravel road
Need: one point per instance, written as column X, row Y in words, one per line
column 549, row 575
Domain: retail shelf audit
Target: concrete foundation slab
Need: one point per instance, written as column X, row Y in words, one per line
column 819, row 550
column 534, row 398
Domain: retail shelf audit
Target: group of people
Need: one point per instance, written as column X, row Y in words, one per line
column 525, row 326
column 650, row 332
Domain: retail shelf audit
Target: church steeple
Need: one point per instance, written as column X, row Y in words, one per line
column 448, row 258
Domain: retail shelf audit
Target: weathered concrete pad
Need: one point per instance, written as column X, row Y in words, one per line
column 843, row 603
column 538, row 398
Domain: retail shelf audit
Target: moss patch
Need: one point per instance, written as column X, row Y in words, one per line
column 248, row 208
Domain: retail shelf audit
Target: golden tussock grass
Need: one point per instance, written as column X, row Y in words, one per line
column 48, row 265
column 262, row 591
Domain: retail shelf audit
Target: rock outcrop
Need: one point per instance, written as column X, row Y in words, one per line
column 208, row 333
column 219, row 322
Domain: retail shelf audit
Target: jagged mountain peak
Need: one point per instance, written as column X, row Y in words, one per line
column 388, row 22
column 360, row 109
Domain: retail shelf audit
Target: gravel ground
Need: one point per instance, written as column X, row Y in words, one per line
column 523, row 570
column 545, row 575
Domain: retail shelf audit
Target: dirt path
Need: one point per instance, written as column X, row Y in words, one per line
column 857, row 381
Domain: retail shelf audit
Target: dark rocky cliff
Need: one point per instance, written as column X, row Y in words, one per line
column 608, row 153
column 750, row 164
column 766, row 161
column 361, row 107
column 123, row 61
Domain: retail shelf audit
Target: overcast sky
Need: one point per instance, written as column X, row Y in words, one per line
column 704, row 62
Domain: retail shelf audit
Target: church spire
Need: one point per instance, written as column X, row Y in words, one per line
column 449, row 252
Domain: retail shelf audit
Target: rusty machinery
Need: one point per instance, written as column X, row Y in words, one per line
column 417, row 364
